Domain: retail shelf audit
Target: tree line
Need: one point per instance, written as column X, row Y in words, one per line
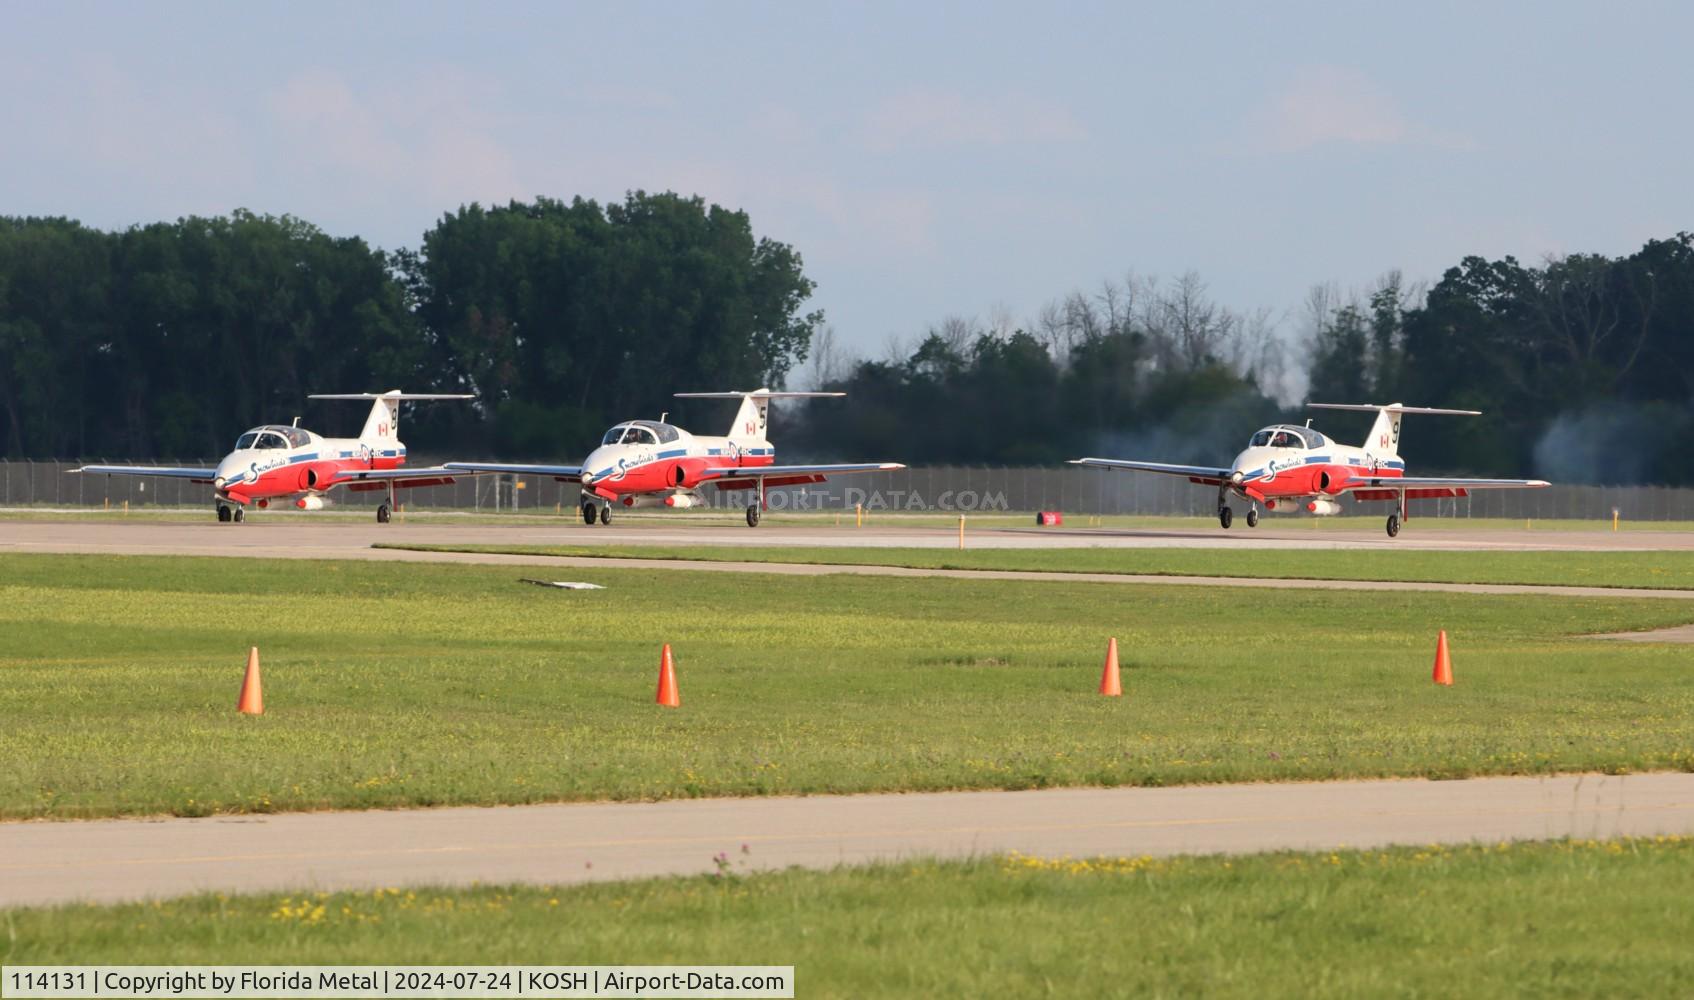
column 166, row 339
column 1583, row 367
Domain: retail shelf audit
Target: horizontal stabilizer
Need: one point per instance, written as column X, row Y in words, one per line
column 1393, row 408
column 392, row 394
column 758, row 394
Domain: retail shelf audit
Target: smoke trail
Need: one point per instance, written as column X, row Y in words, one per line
column 1614, row 444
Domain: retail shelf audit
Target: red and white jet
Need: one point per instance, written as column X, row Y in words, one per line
column 649, row 463
column 1293, row 468
column 282, row 462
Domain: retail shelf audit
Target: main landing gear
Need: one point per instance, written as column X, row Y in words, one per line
column 1226, row 516
column 591, row 510
column 228, row 513
column 384, row 514
column 752, row 515
column 1399, row 517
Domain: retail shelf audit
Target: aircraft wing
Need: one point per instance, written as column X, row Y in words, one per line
column 1439, row 483
column 563, row 473
column 1428, row 487
column 197, row 475
column 734, row 477
column 370, row 479
column 1198, row 473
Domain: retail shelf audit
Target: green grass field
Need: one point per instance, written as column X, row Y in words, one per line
column 1667, row 570
column 1552, row 919
column 396, row 685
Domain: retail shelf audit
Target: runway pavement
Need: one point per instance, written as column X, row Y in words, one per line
column 274, row 531
column 110, row 860
column 298, row 540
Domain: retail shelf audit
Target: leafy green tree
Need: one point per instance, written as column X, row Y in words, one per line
column 562, row 316
column 54, row 284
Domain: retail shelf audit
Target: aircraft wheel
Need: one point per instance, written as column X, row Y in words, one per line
column 383, row 514
column 1225, row 516
column 238, row 515
column 588, row 513
column 1252, row 517
column 223, row 513
column 1393, row 525
column 752, row 515
column 606, row 514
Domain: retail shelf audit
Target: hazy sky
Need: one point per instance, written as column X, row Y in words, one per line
column 925, row 159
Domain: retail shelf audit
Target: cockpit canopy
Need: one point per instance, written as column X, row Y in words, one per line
column 1287, row 436
column 640, row 432
column 273, row 437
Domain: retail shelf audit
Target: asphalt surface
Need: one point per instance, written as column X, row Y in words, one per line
column 1678, row 633
column 271, row 532
column 112, row 860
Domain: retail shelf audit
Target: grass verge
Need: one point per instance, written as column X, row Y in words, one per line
column 1562, row 918
column 1666, row 570
column 415, row 685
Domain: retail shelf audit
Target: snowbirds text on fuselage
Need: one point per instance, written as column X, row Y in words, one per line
column 276, row 462
column 1289, row 468
column 650, row 463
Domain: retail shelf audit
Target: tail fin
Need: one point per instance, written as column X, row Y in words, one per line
column 1383, row 441
column 752, row 418
column 382, row 427
column 1384, row 438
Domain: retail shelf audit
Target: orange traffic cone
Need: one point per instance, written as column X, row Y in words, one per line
column 1109, row 684
column 668, row 695
column 252, row 699
column 1443, row 663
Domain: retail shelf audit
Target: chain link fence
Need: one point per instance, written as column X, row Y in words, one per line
column 964, row 489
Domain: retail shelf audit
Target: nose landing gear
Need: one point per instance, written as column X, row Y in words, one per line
column 1252, row 517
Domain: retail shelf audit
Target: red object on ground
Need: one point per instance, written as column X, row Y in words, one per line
column 668, row 695
column 1110, row 686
